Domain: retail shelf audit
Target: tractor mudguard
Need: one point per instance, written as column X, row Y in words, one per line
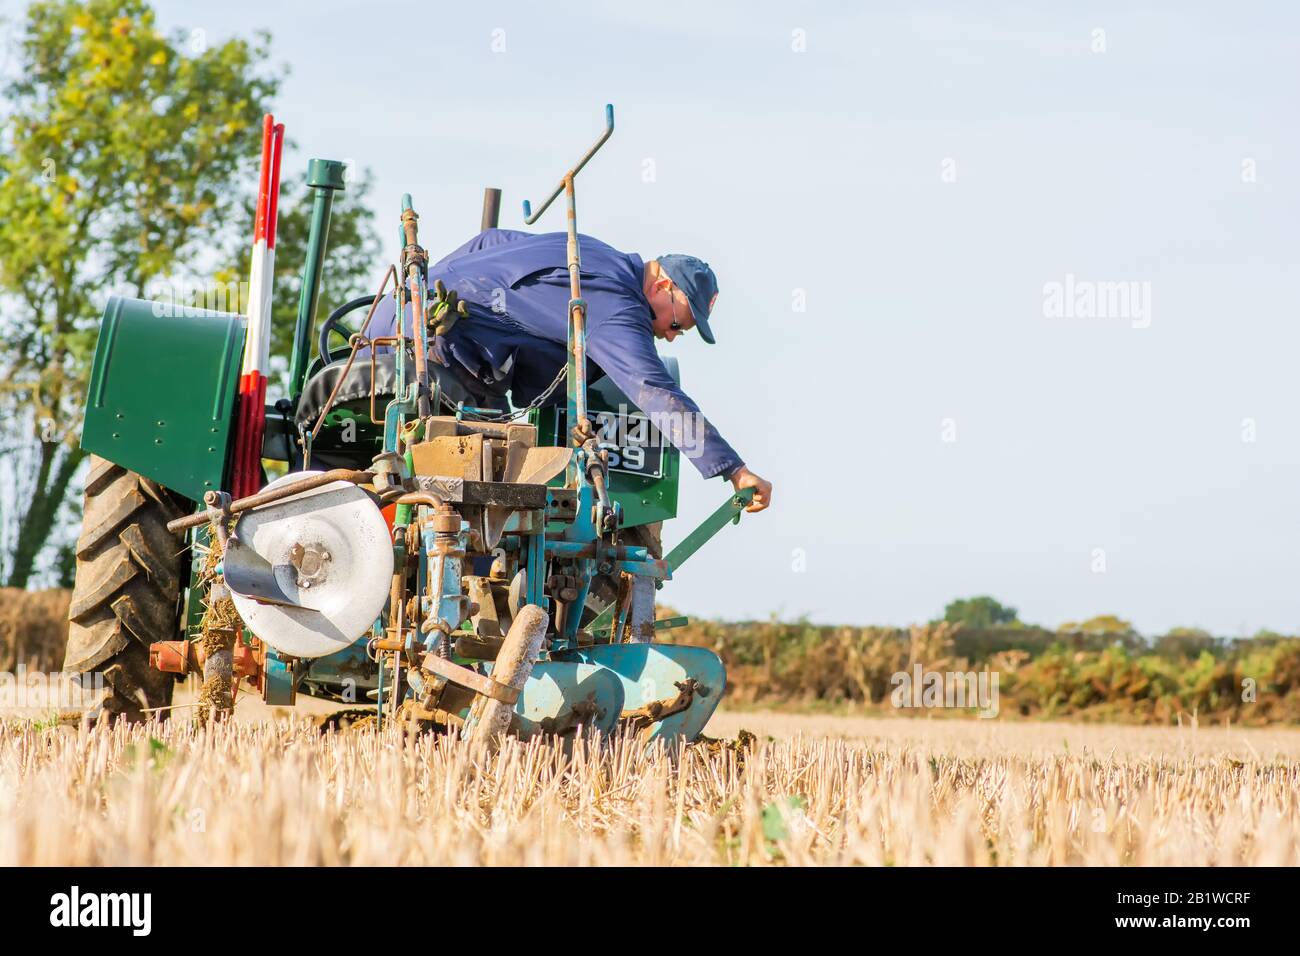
column 162, row 392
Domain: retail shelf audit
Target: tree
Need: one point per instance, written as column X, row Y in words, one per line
column 126, row 157
column 1187, row 642
column 119, row 149
column 1101, row 624
column 980, row 612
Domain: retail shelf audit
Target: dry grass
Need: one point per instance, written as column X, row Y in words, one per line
column 883, row 792
column 33, row 628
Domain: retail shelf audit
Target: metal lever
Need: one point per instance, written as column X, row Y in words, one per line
column 729, row 512
column 415, row 269
column 529, row 216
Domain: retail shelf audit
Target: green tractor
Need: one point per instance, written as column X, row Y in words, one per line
column 490, row 569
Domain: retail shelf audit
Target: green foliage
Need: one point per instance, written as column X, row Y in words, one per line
column 127, row 158
column 982, row 611
column 118, row 157
column 120, row 150
column 780, row 818
column 1093, row 672
column 156, row 758
column 1187, row 642
column 1107, row 625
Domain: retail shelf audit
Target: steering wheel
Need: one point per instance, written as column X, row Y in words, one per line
column 331, row 325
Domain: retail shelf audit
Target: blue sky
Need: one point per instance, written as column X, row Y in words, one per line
column 914, row 175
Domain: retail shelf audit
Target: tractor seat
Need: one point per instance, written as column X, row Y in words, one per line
column 355, row 390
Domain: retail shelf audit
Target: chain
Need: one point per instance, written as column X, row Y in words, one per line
column 511, row 416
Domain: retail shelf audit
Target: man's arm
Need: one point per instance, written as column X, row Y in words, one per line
column 623, row 346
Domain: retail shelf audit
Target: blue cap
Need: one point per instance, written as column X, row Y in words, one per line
column 699, row 284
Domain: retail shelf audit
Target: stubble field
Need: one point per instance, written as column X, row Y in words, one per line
column 804, row 790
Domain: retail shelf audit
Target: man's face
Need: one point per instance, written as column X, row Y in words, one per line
column 672, row 313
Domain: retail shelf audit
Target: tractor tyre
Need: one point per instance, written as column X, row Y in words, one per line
column 130, row 580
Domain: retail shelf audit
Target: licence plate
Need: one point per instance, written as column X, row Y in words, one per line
column 634, row 445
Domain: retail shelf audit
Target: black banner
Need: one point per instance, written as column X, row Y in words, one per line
column 973, row 907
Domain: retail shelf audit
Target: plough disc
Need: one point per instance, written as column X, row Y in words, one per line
column 561, row 695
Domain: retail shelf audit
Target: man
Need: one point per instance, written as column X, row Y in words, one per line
column 515, row 286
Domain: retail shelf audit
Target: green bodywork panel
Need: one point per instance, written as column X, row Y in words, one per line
column 643, row 499
column 162, row 392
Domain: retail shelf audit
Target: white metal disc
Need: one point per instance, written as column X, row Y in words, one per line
column 332, row 553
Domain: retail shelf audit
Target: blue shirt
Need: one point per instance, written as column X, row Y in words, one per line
column 516, row 288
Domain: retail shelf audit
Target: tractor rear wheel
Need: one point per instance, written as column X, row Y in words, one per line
column 130, row 578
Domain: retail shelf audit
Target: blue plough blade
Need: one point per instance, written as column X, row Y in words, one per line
column 651, row 672
column 555, row 687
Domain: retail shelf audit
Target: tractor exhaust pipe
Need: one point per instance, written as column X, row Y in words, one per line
column 491, row 208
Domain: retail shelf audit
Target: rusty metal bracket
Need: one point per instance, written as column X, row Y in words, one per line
column 583, row 713
column 472, row 679
column 226, row 508
column 657, row 710
column 184, row 657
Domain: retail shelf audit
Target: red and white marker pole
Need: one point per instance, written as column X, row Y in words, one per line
column 251, row 422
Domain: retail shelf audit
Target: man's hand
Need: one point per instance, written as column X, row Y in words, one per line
column 742, row 477
column 443, row 309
